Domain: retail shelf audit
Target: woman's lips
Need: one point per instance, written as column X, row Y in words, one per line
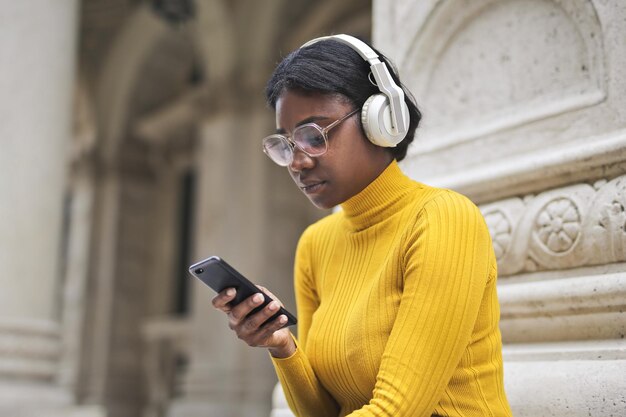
column 313, row 188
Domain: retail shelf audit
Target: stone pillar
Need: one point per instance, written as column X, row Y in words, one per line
column 37, row 57
column 524, row 112
column 227, row 378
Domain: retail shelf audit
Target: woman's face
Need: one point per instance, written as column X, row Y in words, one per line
column 351, row 163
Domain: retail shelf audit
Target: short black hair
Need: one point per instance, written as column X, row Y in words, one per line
column 333, row 68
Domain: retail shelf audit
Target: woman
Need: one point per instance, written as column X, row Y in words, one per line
column 396, row 292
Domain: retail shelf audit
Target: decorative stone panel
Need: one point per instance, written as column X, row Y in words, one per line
column 569, row 227
column 543, row 58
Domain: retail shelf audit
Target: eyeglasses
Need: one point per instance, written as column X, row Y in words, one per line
column 309, row 138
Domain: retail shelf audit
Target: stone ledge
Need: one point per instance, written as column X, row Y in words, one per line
column 570, row 388
column 578, row 350
column 594, row 157
column 29, row 349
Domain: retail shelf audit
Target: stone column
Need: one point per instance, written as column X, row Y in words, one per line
column 524, row 113
column 37, row 57
column 227, row 378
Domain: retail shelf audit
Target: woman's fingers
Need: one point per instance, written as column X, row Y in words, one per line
column 268, row 332
column 251, row 328
column 256, row 321
column 240, row 317
column 240, row 311
column 221, row 300
column 270, row 294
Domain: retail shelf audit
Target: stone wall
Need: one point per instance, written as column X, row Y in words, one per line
column 523, row 106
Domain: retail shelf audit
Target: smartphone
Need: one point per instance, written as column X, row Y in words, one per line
column 219, row 275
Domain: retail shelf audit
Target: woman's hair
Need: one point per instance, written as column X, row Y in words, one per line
column 333, row 68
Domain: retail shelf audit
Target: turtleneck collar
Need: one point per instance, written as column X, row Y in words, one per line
column 380, row 199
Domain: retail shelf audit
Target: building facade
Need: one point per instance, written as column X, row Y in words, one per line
column 527, row 118
column 130, row 147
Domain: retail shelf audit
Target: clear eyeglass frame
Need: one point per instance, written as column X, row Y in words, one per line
column 280, row 148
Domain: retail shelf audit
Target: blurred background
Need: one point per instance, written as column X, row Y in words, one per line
column 130, row 138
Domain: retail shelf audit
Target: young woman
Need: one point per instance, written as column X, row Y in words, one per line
column 396, row 292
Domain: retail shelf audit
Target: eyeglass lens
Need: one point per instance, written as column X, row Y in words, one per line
column 308, row 138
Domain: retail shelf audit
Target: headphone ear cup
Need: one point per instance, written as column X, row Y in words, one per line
column 376, row 121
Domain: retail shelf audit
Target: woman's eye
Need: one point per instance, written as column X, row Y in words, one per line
column 316, row 140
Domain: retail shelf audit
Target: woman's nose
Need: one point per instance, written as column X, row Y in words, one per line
column 301, row 160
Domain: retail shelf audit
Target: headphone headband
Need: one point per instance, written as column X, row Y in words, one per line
column 384, row 80
column 358, row 45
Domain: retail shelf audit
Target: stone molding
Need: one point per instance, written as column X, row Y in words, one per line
column 569, row 227
column 29, row 349
column 577, row 350
column 563, row 310
column 597, row 156
column 566, row 296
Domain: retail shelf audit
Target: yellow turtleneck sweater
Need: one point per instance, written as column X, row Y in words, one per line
column 397, row 308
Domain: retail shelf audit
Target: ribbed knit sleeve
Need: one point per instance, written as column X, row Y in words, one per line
column 305, row 394
column 447, row 266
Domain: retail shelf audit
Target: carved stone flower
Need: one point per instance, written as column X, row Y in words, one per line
column 500, row 231
column 558, row 225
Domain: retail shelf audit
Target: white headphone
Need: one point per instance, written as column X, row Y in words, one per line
column 385, row 116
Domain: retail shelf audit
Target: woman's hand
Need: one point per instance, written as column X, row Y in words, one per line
column 273, row 335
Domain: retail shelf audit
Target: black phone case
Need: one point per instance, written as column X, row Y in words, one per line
column 219, row 275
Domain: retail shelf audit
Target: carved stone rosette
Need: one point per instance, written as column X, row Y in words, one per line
column 574, row 226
